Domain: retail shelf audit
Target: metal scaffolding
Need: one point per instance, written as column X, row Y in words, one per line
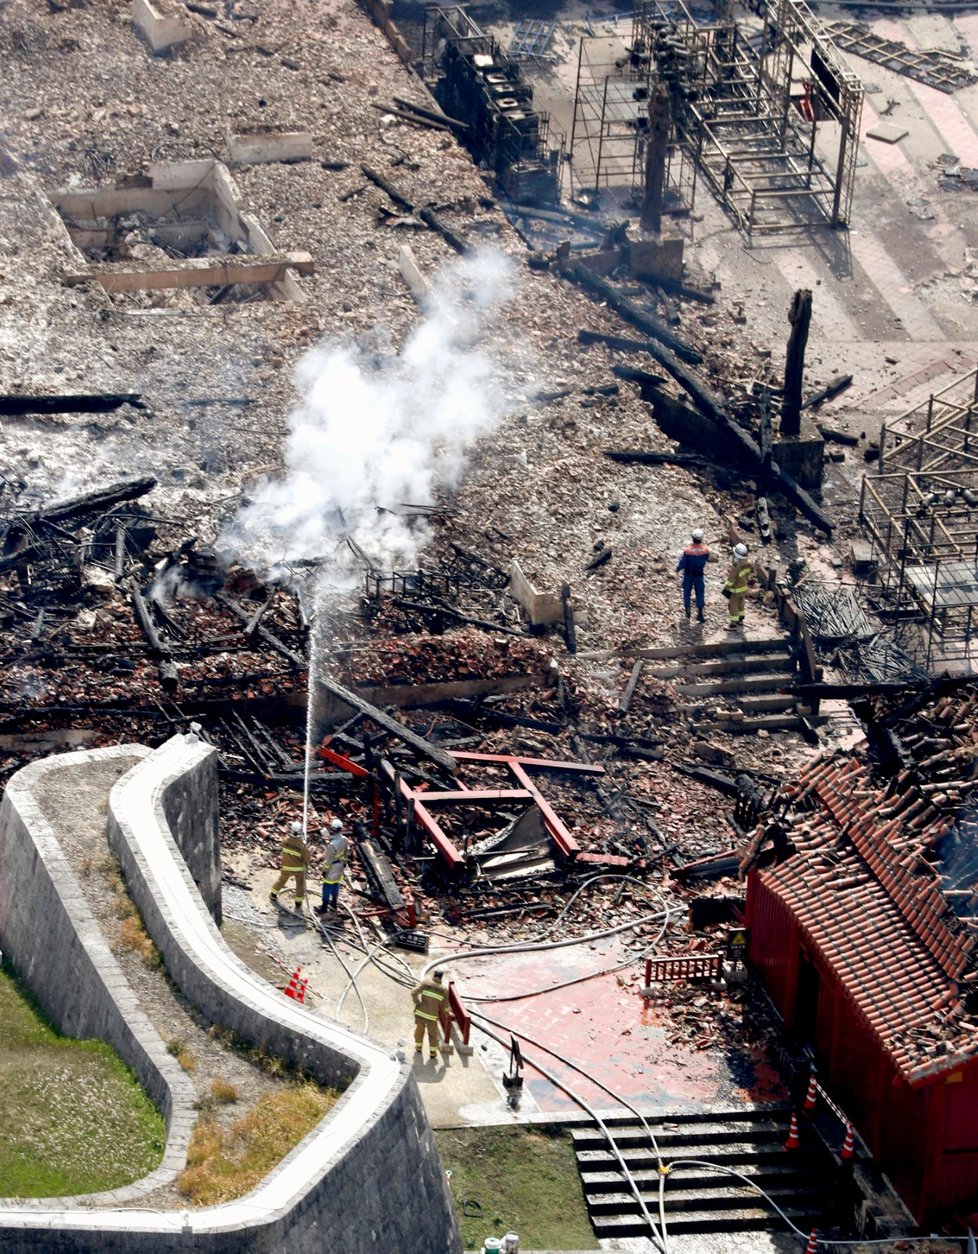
column 611, row 119
column 477, row 83
column 764, row 109
column 921, row 510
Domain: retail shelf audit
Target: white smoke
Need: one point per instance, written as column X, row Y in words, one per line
column 374, row 432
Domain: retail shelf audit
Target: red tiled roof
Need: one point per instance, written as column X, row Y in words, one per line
column 870, row 904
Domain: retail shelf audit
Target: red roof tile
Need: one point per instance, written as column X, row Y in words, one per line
column 874, row 910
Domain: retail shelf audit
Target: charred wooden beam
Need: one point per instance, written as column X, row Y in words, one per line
column 98, row 403
column 634, row 375
column 169, row 679
column 628, row 310
column 800, row 317
column 388, row 187
column 405, row 115
column 747, row 447
column 262, row 633
column 832, row 388
column 379, row 874
column 655, row 459
column 433, row 114
column 390, row 725
column 102, row 499
column 570, row 634
column 620, row 342
column 430, row 218
column 599, row 559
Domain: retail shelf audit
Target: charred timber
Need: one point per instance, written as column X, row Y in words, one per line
column 100, row 403
column 390, row 725
column 570, row 634
column 749, row 449
column 628, row 310
column 262, row 633
column 416, row 119
column 169, row 680
column 103, row 499
column 620, row 342
column 655, row 459
column 832, row 388
column 422, row 112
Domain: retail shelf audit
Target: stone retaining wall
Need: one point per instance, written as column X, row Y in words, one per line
column 366, row 1180
column 58, row 950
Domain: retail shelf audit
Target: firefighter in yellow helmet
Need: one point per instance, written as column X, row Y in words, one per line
column 430, row 999
column 735, row 589
column 295, row 860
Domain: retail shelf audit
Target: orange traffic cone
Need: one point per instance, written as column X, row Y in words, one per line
column 292, row 988
column 301, row 994
column 793, row 1140
column 812, row 1093
column 849, row 1144
column 812, row 1245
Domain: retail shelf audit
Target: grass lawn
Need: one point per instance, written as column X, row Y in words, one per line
column 524, row 1179
column 73, row 1118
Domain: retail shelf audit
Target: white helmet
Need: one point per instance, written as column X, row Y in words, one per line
column 698, row 534
column 740, row 550
column 297, row 828
column 335, row 826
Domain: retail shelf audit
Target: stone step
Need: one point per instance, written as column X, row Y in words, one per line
column 773, row 1173
column 732, row 664
column 758, row 1132
column 769, row 681
column 740, row 1219
column 688, row 1200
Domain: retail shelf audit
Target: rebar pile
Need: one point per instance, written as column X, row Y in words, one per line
column 877, row 661
column 833, row 613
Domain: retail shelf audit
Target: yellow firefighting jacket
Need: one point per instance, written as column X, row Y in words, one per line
column 428, row 997
column 738, row 576
column 295, row 854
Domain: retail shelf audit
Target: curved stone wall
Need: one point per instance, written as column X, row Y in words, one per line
column 58, row 950
column 366, row 1180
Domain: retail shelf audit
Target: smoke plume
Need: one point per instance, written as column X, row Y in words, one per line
column 375, row 431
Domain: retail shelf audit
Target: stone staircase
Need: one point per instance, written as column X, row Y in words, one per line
column 739, row 685
column 698, row 1200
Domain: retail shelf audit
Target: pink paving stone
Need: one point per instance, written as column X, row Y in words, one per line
column 612, row 1035
column 943, row 111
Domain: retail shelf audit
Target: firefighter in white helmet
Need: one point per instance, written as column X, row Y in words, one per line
column 735, row 589
column 692, row 563
column 334, row 864
column 295, row 860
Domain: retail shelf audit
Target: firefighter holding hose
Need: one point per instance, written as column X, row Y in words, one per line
column 295, row 860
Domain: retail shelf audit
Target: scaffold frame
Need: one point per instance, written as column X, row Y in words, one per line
column 734, row 118
column 921, row 511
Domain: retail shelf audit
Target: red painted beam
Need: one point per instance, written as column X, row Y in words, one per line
column 481, row 794
column 340, row 760
column 443, row 843
column 565, row 842
column 509, row 759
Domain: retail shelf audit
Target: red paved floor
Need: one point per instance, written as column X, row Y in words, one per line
column 615, row 1036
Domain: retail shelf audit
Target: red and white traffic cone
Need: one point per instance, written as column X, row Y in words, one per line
column 812, row 1094
column 301, row 994
column 812, row 1245
column 794, row 1140
column 849, row 1144
column 292, row 988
